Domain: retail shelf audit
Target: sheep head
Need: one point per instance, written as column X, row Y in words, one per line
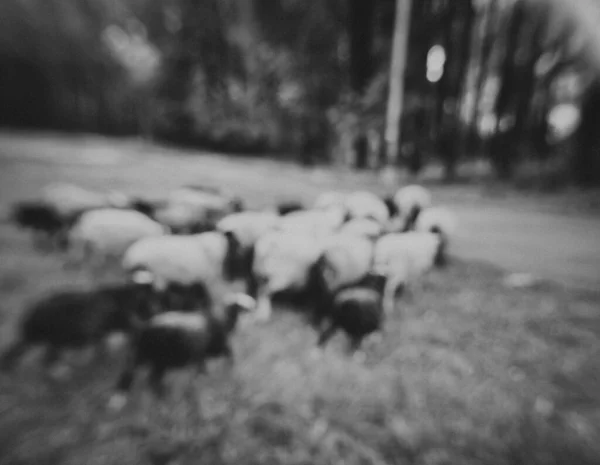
column 235, row 305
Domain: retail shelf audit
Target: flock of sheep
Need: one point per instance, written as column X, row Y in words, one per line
column 348, row 255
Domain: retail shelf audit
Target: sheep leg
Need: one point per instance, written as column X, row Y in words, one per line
column 318, row 315
column 354, row 349
column 441, row 260
column 124, row 383
column 376, row 337
column 81, row 253
column 228, row 353
column 388, row 297
column 157, row 382
column 198, row 295
column 101, row 351
column 41, row 242
column 60, row 239
column 265, row 309
column 97, row 262
column 201, row 367
column 195, row 393
column 110, row 264
column 50, row 357
column 161, row 300
column 50, row 363
column 75, row 257
column 126, row 379
column 12, row 355
column 252, row 285
column 326, row 334
column 155, row 303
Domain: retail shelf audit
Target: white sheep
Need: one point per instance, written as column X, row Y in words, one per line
column 282, row 262
column 362, row 227
column 182, row 261
column 330, row 199
column 345, row 260
column 69, row 200
column 403, row 258
column 190, row 210
column 243, row 230
column 104, row 234
column 204, row 200
column 363, row 204
column 439, row 220
column 181, row 219
column 411, row 200
column 248, row 226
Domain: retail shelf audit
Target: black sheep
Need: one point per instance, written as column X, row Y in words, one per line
column 42, row 220
column 174, row 340
column 356, row 309
column 77, row 319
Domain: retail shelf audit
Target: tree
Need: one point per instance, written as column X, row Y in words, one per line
column 459, row 18
column 586, row 161
column 395, row 105
column 361, row 15
column 483, row 68
column 501, row 150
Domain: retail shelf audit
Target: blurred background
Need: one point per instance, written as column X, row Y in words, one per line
column 493, row 105
column 503, row 87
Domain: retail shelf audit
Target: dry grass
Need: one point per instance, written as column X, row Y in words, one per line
column 469, row 372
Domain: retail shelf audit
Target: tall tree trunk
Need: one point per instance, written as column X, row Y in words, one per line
column 586, row 160
column 484, row 60
column 418, row 122
column 248, row 38
column 525, row 73
column 475, row 53
column 459, row 22
column 469, row 97
column 503, row 158
column 361, row 17
column 395, row 104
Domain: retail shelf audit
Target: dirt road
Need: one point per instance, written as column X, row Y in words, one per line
column 561, row 248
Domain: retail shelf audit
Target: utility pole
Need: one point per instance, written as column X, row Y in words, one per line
column 397, row 71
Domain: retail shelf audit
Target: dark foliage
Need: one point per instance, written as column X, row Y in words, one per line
column 294, row 77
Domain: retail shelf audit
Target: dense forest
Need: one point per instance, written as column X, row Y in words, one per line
column 510, row 82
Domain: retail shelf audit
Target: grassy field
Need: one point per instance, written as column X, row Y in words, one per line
column 469, row 372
